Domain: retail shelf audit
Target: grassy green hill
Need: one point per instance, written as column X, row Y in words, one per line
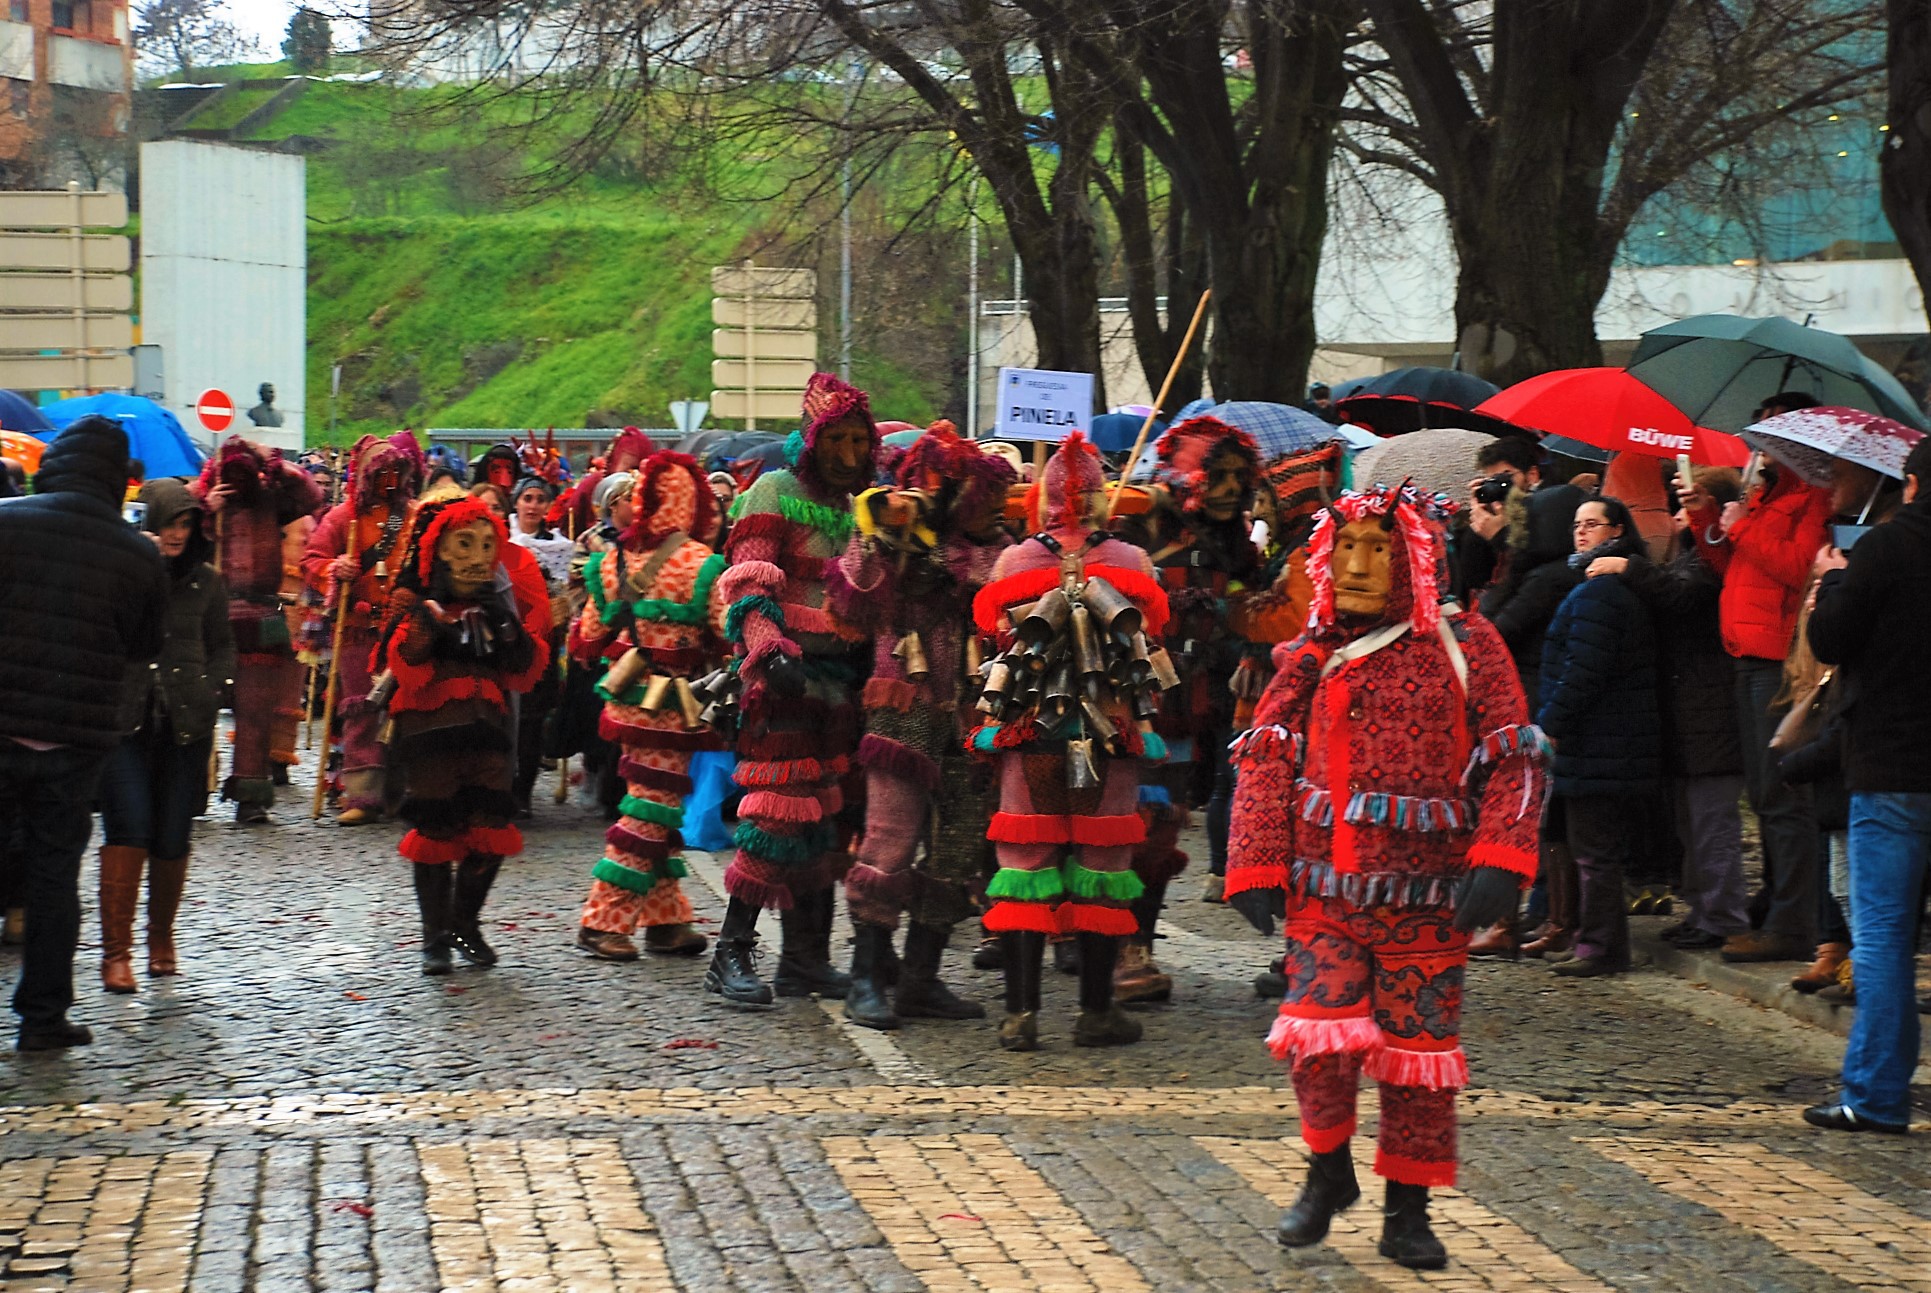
column 450, row 299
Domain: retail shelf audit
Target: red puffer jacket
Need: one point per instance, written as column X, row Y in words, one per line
column 1765, row 562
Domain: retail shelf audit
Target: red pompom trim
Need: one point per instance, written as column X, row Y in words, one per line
column 1111, row 832
column 496, row 841
column 1076, row 917
column 1242, row 878
column 1028, row 828
column 1503, row 857
column 988, row 608
column 1414, row 1171
column 429, row 851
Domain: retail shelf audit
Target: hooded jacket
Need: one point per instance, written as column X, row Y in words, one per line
column 197, row 664
column 1765, row 563
column 1697, row 677
column 1873, row 620
column 82, row 594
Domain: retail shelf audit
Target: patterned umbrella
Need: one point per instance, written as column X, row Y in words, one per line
column 1808, row 439
column 1439, row 461
column 1277, row 428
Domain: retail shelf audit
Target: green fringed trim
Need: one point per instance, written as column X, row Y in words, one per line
column 1114, row 886
column 634, row 697
column 622, row 876
column 794, row 448
column 694, row 611
column 647, row 810
column 1026, row 886
column 834, row 523
column 743, row 606
column 673, row 868
column 607, row 610
column 792, row 849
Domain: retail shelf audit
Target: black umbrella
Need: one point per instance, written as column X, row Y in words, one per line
column 1411, row 399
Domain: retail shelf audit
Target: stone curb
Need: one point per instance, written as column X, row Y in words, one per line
column 1765, row 983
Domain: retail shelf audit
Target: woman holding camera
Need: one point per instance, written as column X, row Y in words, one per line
column 156, row 783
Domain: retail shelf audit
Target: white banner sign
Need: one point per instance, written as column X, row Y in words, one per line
column 1035, row 404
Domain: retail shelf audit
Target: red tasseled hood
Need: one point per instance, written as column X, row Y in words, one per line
column 1418, row 550
column 671, row 495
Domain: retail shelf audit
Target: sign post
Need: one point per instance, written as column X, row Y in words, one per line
column 1040, row 404
column 215, row 410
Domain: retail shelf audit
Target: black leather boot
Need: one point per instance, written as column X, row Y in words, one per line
column 1025, row 956
column 865, row 1003
column 433, row 884
column 1406, row 1238
column 804, row 957
column 920, row 994
column 1101, row 1022
column 1330, row 1188
column 732, row 973
column 474, row 876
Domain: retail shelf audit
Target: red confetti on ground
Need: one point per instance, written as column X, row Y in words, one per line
column 549, row 1037
column 689, row 1044
column 959, row 1216
column 360, row 1209
column 455, row 991
column 506, row 924
column 355, row 996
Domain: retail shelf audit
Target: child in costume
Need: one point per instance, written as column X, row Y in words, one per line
column 799, row 664
column 1387, row 802
column 1075, row 610
column 923, row 550
column 458, row 641
column 648, row 619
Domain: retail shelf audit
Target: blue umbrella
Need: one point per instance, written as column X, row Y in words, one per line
column 154, row 435
column 1115, row 432
column 18, row 413
column 1277, row 428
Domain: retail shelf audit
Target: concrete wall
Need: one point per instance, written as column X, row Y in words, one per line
column 224, row 278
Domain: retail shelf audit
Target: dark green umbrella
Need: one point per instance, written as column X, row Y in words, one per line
column 1717, row 368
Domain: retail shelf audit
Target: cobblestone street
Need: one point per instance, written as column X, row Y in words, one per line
column 304, row 1110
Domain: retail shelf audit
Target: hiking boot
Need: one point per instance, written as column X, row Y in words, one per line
column 804, row 955
column 57, row 1036
column 920, row 994
column 1823, row 971
column 865, row 1003
column 1109, row 1027
column 1020, row 1032
column 1271, row 983
column 733, row 973
column 434, row 883
column 674, row 940
column 1330, row 1188
column 1137, row 979
column 1406, row 1238
column 474, row 876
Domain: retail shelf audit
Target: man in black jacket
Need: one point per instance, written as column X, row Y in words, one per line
column 82, row 599
column 1872, row 621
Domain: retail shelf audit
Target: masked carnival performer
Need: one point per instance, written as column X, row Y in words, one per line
column 648, row 620
column 1388, row 800
column 458, row 642
column 923, row 550
column 1196, row 537
column 1076, row 613
column 352, row 562
column 253, row 498
column 799, row 665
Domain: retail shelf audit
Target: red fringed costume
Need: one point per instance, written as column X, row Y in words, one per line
column 262, row 497
column 456, row 657
column 1387, row 758
column 371, row 523
column 651, row 595
column 917, row 605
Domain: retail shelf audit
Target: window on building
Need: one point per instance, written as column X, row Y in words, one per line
column 17, row 97
column 17, row 10
column 71, row 14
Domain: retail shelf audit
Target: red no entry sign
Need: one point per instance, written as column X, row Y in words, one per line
column 215, row 409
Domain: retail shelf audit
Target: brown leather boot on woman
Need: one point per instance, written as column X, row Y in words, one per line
column 166, row 881
column 1823, row 971
column 120, row 892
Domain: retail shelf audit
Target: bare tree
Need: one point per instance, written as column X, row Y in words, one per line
column 180, row 36
column 1906, row 162
column 1547, row 127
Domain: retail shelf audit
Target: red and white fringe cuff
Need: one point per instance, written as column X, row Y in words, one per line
column 1294, row 1035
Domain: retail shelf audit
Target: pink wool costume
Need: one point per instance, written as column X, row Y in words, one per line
column 919, row 784
column 651, row 593
column 264, row 495
column 1386, row 760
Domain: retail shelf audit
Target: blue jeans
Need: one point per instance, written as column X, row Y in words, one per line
column 1890, row 848
column 152, row 790
column 47, row 809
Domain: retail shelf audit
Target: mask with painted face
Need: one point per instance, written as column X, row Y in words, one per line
column 1363, row 568
column 467, row 555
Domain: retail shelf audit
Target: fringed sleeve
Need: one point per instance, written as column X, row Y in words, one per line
column 1508, row 773
column 751, row 588
column 1267, row 762
column 859, row 585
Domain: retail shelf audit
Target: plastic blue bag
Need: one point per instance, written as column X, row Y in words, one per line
column 704, row 826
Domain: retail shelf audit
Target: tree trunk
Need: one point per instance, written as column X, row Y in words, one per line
column 1525, row 296
column 1184, row 256
column 1906, row 163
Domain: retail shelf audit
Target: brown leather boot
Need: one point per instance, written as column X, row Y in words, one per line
column 120, row 894
column 1497, row 941
column 674, row 940
column 1823, row 971
column 166, row 880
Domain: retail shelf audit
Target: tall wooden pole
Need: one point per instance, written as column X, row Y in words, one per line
column 344, row 604
column 1179, row 357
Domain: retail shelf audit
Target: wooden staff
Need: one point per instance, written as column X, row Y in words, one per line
column 1140, row 441
column 308, row 710
column 345, row 603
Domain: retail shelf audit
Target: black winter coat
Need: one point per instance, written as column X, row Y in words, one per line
column 1521, row 605
column 197, row 665
column 1599, row 692
column 82, row 594
column 1873, row 621
column 1698, row 676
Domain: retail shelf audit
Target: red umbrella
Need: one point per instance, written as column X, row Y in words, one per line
column 1609, row 409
